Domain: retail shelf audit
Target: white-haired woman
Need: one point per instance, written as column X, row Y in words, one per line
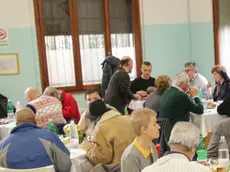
column 183, row 142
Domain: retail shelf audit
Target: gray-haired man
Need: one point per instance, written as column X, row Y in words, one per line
column 183, row 142
column 196, row 80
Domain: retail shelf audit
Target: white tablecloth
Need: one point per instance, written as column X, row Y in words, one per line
column 136, row 104
column 79, row 161
column 207, row 121
column 5, row 129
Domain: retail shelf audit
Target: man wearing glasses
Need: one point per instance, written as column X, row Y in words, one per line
column 196, row 80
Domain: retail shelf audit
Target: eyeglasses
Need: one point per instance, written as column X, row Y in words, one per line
column 187, row 70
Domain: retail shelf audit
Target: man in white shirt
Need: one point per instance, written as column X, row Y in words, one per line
column 196, row 79
column 183, row 142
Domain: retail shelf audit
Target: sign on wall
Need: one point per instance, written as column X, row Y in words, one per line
column 9, row 64
column 3, row 38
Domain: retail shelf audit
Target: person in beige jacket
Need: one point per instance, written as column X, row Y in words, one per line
column 87, row 122
column 112, row 134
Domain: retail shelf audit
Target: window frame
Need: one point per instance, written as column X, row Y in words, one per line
column 215, row 8
column 79, row 87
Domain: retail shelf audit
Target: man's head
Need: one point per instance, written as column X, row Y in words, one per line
column 50, row 91
column 97, row 108
column 126, row 63
column 182, row 81
column 92, row 94
column 184, row 138
column 146, row 69
column 190, row 69
column 31, row 94
column 145, row 124
column 25, row 115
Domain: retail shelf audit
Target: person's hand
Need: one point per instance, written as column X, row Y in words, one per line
column 193, row 92
column 208, row 85
column 87, row 145
column 137, row 97
column 141, row 93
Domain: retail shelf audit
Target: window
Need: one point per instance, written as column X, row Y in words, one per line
column 75, row 36
column 221, row 13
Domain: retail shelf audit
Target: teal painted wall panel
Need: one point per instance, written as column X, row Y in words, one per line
column 167, row 47
column 202, row 45
column 21, row 42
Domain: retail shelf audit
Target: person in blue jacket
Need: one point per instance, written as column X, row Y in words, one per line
column 29, row 146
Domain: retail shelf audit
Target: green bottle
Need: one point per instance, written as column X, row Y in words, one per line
column 52, row 127
column 200, row 94
column 10, row 110
column 201, row 151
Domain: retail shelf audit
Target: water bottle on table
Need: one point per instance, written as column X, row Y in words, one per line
column 223, row 153
column 74, row 138
column 202, row 152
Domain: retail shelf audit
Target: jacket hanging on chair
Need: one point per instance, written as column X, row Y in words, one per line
column 109, row 66
column 3, row 106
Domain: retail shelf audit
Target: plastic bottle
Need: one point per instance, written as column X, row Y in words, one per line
column 18, row 106
column 74, row 138
column 52, row 127
column 200, row 94
column 10, row 110
column 223, row 153
column 201, row 152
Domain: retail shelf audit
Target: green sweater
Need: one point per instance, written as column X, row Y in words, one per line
column 176, row 105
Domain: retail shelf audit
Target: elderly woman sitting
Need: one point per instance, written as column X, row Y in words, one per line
column 153, row 100
column 222, row 88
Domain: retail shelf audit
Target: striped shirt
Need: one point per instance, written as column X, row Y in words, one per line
column 176, row 162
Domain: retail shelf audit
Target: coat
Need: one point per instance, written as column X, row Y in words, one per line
column 113, row 133
column 176, row 105
column 109, row 67
column 69, row 107
column 224, row 88
column 224, row 107
column 118, row 92
column 31, row 147
column 86, row 125
column 3, row 106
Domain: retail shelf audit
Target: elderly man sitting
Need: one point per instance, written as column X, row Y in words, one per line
column 69, row 104
column 31, row 147
column 46, row 108
column 183, row 142
column 175, row 104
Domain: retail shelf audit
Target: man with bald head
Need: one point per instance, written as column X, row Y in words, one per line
column 29, row 146
column 31, row 94
column 69, row 104
column 47, row 107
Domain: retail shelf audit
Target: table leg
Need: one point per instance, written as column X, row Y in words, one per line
column 207, row 139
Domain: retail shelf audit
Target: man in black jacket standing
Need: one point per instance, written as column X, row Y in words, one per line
column 118, row 92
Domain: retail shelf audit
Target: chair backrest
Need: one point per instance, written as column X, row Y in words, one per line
column 41, row 169
column 165, row 132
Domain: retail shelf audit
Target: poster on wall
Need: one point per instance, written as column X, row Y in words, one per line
column 9, row 64
column 3, row 38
